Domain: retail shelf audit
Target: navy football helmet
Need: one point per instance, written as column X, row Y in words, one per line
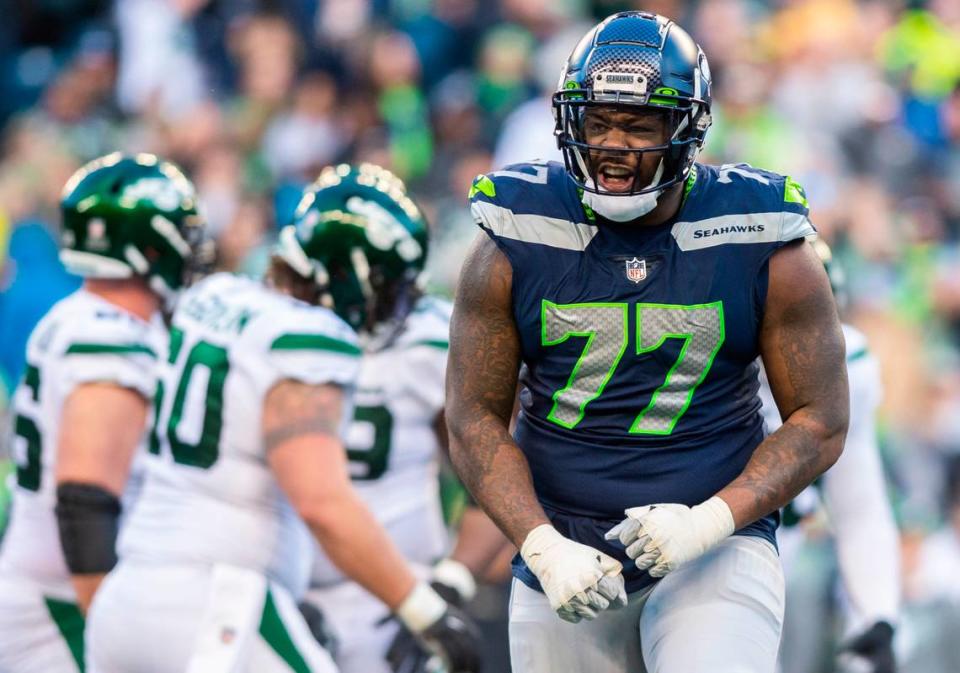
column 635, row 60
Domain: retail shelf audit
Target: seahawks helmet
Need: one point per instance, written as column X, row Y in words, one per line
column 133, row 216
column 635, row 60
column 363, row 242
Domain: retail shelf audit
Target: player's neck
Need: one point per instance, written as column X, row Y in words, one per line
column 131, row 295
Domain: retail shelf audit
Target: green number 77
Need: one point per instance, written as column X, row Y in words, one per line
column 604, row 326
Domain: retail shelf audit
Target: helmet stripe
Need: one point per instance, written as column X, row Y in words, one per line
column 90, row 265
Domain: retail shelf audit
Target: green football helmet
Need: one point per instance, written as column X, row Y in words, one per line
column 133, row 216
column 363, row 241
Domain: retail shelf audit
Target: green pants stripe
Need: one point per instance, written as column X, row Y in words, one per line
column 275, row 633
column 69, row 621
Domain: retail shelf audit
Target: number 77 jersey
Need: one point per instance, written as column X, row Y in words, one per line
column 639, row 384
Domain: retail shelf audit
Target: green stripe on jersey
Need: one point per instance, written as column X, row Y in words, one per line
column 793, row 193
column 113, row 349
column 275, row 633
column 296, row 342
column 433, row 343
column 856, row 355
column 69, row 622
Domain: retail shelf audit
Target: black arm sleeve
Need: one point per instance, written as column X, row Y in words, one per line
column 88, row 519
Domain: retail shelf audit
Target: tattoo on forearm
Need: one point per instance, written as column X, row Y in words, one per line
column 481, row 384
column 293, row 409
column 782, row 466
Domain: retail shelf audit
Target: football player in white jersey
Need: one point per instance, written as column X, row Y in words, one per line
column 254, row 399
column 395, row 437
column 853, row 492
column 131, row 230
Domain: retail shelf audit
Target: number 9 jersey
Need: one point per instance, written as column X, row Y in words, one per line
column 638, row 342
column 392, row 442
column 210, row 496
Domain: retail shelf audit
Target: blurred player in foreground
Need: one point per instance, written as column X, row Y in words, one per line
column 398, row 431
column 246, row 448
column 131, row 230
column 858, row 509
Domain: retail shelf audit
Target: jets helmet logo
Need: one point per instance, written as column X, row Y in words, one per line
column 636, row 269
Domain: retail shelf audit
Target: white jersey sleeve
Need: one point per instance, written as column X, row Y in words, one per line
column 110, row 346
column 854, row 493
column 425, row 345
column 82, row 339
column 301, row 344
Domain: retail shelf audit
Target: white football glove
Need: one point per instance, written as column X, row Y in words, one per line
column 579, row 581
column 663, row 537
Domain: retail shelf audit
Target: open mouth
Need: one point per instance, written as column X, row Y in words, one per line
column 615, row 178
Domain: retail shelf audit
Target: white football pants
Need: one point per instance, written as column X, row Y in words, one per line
column 721, row 613
column 39, row 633
column 197, row 619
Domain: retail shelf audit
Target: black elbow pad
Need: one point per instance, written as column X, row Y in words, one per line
column 88, row 519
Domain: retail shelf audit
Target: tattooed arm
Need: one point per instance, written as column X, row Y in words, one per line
column 482, row 374
column 484, row 361
column 802, row 347
column 300, row 424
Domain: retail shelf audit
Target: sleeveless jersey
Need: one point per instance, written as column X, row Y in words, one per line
column 83, row 339
column 209, row 495
column 392, row 442
column 638, row 344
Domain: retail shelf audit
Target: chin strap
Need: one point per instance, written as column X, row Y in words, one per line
column 622, row 207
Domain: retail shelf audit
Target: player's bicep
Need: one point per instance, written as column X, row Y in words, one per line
column 801, row 341
column 293, row 410
column 101, row 426
column 484, row 343
column 302, row 444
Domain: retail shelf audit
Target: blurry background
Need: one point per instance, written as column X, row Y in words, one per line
column 858, row 101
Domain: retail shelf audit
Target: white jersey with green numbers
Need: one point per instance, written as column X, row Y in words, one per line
column 83, row 339
column 392, row 441
column 210, row 496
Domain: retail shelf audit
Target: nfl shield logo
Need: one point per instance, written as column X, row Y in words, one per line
column 636, row 269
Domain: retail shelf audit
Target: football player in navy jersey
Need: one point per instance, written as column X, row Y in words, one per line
column 629, row 292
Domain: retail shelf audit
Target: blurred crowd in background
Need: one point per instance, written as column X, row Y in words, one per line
column 858, row 101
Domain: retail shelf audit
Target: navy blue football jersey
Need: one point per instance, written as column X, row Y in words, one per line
column 639, row 383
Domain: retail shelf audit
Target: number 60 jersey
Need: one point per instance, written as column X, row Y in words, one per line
column 639, row 384
column 209, row 495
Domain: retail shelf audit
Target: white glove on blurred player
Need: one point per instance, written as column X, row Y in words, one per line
column 663, row 537
column 579, row 581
